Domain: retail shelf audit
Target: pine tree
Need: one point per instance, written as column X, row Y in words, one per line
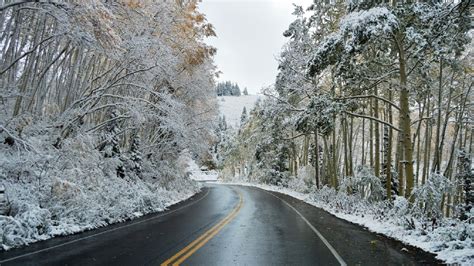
column 224, row 123
column 243, row 117
column 466, row 177
column 245, row 92
column 112, row 146
column 227, row 88
column 136, row 155
column 235, row 90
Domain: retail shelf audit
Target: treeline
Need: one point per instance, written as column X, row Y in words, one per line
column 371, row 99
column 115, row 71
column 228, row 88
column 100, row 106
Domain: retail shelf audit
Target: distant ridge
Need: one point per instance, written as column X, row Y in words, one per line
column 231, row 107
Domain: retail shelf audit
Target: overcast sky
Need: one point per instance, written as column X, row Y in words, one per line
column 249, row 38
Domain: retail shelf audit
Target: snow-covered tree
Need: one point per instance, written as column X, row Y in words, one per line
column 78, row 79
column 227, row 89
column 111, row 147
column 243, row 116
column 135, row 154
column 465, row 177
column 381, row 85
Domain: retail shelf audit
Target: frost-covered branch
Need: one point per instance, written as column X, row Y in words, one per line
column 27, row 146
column 370, row 96
column 373, row 119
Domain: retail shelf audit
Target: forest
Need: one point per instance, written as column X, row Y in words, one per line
column 98, row 101
column 104, row 105
column 372, row 104
column 228, row 88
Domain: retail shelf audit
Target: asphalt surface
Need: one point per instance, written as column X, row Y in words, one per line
column 225, row 225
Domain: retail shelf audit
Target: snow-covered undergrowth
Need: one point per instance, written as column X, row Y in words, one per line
column 53, row 192
column 200, row 173
column 450, row 239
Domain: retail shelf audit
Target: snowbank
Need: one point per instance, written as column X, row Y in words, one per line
column 54, row 192
column 200, row 174
column 451, row 240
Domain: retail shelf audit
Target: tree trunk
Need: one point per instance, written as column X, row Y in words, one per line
column 316, row 159
column 405, row 124
column 376, row 136
column 427, row 149
column 437, row 156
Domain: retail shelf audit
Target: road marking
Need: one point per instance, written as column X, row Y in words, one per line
column 103, row 232
column 190, row 249
column 333, row 251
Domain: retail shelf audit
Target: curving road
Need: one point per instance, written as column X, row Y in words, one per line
column 225, row 225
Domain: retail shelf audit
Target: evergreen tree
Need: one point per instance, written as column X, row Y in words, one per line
column 243, row 117
column 235, row 90
column 245, row 92
column 227, row 88
column 224, row 123
column 465, row 176
column 111, row 146
column 136, row 155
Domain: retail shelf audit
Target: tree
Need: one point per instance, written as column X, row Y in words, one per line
column 111, row 145
column 228, row 89
column 466, row 177
column 68, row 64
column 374, row 86
column 243, row 117
column 360, row 31
column 136, row 155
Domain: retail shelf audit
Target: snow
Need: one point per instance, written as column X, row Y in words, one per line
column 357, row 27
column 200, row 175
column 60, row 192
column 72, row 159
column 4, row 208
column 231, row 107
column 369, row 22
column 355, row 30
column 77, row 208
column 442, row 241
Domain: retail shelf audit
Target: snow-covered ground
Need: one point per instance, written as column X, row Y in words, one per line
column 52, row 192
column 231, row 107
column 200, row 174
column 113, row 201
column 442, row 241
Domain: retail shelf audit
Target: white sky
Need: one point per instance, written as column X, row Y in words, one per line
column 249, row 38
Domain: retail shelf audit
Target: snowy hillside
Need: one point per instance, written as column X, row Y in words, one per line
column 231, row 107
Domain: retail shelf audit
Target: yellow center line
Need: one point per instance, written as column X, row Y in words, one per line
column 190, row 249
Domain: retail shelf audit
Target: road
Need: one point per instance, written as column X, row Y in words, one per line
column 225, row 225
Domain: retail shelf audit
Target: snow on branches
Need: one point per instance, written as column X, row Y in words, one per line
column 99, row 99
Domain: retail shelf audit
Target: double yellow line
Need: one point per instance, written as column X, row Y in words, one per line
column 190, row 249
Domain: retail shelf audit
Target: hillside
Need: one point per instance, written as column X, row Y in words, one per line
column 231, row 107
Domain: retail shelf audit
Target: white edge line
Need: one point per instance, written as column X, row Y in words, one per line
column 331, row 248
column 101, row 233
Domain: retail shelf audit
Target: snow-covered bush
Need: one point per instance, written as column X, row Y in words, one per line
column 4, row 204
column 307, row 174
column 364, row 183
column 298, row 184
column 428, row 196
column 304, row 181
column 62, row 191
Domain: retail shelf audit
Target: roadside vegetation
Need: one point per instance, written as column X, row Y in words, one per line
column 371, row 114
column 99, row 102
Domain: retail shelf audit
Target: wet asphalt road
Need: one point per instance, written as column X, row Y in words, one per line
column 234, row 225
